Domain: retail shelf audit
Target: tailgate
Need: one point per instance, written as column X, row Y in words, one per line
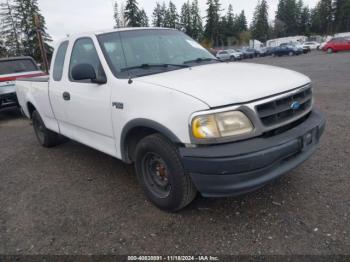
column 7, row 87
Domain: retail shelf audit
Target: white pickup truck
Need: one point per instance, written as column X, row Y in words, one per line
column 156, row 98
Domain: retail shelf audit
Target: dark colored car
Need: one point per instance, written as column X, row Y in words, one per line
column 286, row 49
column 264, row 51
column 306, row 49
column 336, row 45
column 248, row 52
column 12, row 69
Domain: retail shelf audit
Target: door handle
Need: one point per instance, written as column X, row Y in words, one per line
column 66, row 96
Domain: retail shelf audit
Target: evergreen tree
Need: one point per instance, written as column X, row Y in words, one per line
column 342, row 15
column 305, row 22
column 158, row 18
column 323, row 17
column 299, row 11
column 122, row 15
column 241, row 22
column 25, row 12
column 281, row 9
column 10, row 34
column 186, row 18
column 327, row 16
column 212, row 26
column 260, row 24
column 3, row 51
column 163, row 12
column 287, row 12
column 279, row 29
column 171, row 16
column 230, row 18
column 159, row 15
column 223, row 31
column 144, row 22
column 197, row 25
column 315, row 20
column 117, row 18
column 132, row 13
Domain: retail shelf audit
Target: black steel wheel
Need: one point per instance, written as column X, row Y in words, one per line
column 161, row 174
column 156, row 174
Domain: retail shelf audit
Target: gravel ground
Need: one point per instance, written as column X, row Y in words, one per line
column 74, row 200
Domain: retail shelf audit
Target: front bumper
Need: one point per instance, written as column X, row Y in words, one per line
column 241, row 167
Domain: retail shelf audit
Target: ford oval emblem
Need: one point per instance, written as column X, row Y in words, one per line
column 295, row 105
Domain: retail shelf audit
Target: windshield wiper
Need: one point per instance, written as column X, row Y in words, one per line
column 146, row 66
column 200, row 60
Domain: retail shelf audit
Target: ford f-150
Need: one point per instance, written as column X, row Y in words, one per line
column 156, row 98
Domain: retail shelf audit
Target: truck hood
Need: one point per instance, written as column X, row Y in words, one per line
column 223, row 84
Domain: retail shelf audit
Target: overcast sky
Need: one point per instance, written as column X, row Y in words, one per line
column 71, row 16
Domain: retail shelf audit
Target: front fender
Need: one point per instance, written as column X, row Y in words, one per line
column 144, row 123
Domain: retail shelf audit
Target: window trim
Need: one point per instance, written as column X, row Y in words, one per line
column 70, row 61
column 64, row 61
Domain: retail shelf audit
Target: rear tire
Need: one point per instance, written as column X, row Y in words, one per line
column 161, row 174
column 46, row 138
column 290, row 53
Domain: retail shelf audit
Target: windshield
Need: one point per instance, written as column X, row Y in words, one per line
column 8, row 67
column 142, row 52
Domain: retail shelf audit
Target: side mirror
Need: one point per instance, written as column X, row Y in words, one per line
column 87, row 72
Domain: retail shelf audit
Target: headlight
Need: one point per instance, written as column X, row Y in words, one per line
column 221, row 125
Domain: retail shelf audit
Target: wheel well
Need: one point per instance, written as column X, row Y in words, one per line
column 31, row 109
column 133, row 137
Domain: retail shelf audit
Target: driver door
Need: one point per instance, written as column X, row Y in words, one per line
column 88, row 105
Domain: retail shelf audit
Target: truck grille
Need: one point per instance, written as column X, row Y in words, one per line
column 280, row 111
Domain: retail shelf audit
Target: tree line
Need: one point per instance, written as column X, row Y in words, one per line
column 220, row 27
column 217, row 27
column 18, row 31
column 213, row 29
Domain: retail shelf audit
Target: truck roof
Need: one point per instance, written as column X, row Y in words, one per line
column 16, row 58
column 106, row 31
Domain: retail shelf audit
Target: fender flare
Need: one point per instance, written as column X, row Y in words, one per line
column 144, row 123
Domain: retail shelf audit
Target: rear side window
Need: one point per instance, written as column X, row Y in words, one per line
column 17, row 66
column 59, row 61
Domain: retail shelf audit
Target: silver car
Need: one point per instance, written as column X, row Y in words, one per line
column 228, row 55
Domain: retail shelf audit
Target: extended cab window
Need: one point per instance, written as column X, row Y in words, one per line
column 59, row 61
column 84, row 52
column 16, row 66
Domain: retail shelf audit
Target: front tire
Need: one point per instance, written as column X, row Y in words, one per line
column 291, row 53
column 46, row 138
column 329, row 50
column 161, row 174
